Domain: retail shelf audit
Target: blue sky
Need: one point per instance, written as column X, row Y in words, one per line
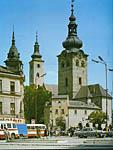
column 50, row 19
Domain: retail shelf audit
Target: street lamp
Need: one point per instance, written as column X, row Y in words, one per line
column 105, row 64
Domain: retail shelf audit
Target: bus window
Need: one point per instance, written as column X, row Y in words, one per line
column 1, row 126
column 14, row 125
column 8, row 125
column 4, row 125
column 32, row 127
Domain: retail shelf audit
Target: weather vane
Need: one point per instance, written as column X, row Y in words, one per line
column 36, row 36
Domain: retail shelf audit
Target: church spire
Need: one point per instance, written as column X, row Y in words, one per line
column 36, row 53
column 13, row 61
column 72, row 41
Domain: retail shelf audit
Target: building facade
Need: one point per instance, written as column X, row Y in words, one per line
column 12, row 86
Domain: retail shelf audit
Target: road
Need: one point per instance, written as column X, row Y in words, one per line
column 58, row 143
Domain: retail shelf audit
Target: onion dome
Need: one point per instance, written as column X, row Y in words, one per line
column 72, row 41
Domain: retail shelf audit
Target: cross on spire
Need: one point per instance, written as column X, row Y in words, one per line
column 13, row 37
column 72, row 5
column 36, row 36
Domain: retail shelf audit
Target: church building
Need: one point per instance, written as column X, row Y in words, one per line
column 75, row 99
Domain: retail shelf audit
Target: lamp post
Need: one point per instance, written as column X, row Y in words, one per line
column 105, row 64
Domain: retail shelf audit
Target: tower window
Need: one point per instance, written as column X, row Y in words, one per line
column 75, row 111
column 0, row 85
column 66, row 82
column 12, row 87
column 38, row 65
column 67, row 64
column 77, row 62
column 37, row 74
column 82, row 64
column 85, row 112
column 80, row 81
column 56, row 111
column 62, row 111
column 62, row 65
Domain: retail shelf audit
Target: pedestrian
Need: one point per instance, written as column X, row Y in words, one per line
column 38, row 133
column 6, row 133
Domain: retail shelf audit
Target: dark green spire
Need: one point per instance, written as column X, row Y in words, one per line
column 72, row 41
column 13, row 62
column 36, row 54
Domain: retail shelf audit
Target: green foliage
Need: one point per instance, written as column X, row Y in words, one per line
column 97, row 117
column 60, row 122
column 34, row 103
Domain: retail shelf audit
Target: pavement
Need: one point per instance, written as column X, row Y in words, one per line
column 58, row 143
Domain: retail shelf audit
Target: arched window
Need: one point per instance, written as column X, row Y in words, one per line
column 38, row 65
column 80, row 81
column 77, row 62
column 82, row 64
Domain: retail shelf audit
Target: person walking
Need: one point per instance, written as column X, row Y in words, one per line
column 7, row 134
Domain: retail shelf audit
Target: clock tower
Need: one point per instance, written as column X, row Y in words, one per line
column 72, row 62
column 36, row 67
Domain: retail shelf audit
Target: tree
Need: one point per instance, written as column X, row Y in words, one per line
column 97, row 117
column 34, row 102
column 60, row 122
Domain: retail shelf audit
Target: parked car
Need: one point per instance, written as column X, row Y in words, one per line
column 110, row 133
column 71, row 131
column 89, row 132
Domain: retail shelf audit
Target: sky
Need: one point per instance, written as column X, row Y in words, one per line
column 50, row 19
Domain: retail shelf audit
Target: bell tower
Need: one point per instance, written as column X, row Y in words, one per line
column 36, row 66
column 72, row 62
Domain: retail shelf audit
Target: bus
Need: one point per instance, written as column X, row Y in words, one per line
column 36, row 130
column 11, row 127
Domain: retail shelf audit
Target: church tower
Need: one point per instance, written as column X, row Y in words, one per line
column 36, row 67
column 72, row 62
column 13, row 61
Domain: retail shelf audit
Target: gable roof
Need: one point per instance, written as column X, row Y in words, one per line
column 5, row 70
column 90, row 91
column 52, row 88
column 82, row 105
